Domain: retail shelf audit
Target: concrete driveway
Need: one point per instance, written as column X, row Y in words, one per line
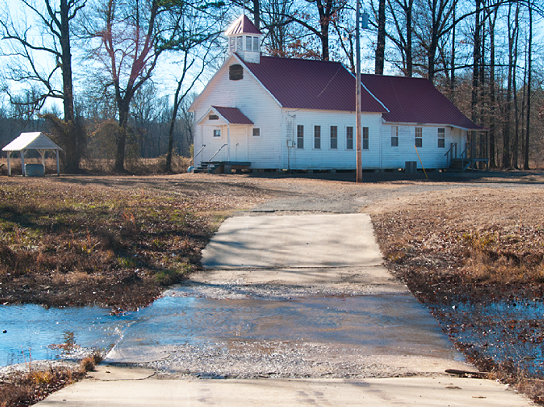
column 309, row 257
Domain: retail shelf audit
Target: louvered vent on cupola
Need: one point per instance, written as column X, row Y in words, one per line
column 245, row 40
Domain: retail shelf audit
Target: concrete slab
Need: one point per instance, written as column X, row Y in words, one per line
column 349, row 280
column 420, row 391
column 315, row 240
column 106, row 372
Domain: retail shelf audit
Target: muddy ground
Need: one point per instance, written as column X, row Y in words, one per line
column 453, row 239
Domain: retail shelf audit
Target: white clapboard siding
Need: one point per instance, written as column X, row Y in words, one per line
column 432, row 156
column 325, row 157
column 252, row 100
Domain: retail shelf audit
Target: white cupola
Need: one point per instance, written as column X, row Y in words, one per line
column 245, row 40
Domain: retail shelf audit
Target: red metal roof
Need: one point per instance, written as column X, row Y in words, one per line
column 242, row 25
column 324, row 85
column 310, row 84
column 233, row 115
column 415, row 100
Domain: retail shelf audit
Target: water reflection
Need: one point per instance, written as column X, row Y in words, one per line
column 507, row 331
column 30, row 329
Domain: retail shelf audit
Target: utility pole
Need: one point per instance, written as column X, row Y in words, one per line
column 364, row 23
column 359, row 175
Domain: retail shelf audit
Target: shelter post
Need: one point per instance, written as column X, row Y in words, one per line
column 58, row 167
column 9, row 163
column 42, row 153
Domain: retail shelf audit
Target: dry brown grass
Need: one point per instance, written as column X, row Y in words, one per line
column 482, row 234
column 27, row 388
column 112, row 241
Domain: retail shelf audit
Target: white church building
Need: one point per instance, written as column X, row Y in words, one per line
column 264, row 112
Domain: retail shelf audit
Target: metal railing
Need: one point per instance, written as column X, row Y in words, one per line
column 196, row 155
column 450, row 153
column 217, row 152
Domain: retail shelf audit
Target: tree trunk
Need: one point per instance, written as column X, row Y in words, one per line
column 475, row 75
column 257, row 14
column 529, row 78
column 492, row 99
column 452, row 73
column 508, row 110
column 380, row 45
column 515, row 142
column 173, row 123
column 123, row 107
column 73, row 153
column 409, row 29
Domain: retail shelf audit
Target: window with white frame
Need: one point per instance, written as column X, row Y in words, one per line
column 256, row 132
column 441, row 137
column 365, row 138
column 419, row 137
column 217, row 132
column 349, row 138
column 232, row 44
column 334, row 137
column 240, row 43
column 256, row 44
column 394, row 136
column 317, row 137
column 300, row 136
column 249, row 43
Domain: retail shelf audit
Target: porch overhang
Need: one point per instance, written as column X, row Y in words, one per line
column 228, row 115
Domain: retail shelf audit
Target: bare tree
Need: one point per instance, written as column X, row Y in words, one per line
column 129, row 38
column 326, row 12
column 401, row 14
column 55, row 44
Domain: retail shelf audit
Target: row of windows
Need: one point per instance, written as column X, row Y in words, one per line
column 333, row 137
column 418, row 137
column 237, row 44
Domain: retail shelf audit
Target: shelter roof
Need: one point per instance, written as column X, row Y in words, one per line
column 311, row 84
column 415, row 100
column 31, row 141
column 242, row 25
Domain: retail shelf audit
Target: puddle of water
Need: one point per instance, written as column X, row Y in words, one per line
column 384, row 324
column 30, row 329
column 503, row 331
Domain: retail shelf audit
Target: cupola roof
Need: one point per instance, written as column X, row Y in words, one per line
column 242, row 25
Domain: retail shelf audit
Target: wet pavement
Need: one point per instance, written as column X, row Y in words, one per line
column 289, row 296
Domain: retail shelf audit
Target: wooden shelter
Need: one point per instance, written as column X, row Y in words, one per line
column 32, row 141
